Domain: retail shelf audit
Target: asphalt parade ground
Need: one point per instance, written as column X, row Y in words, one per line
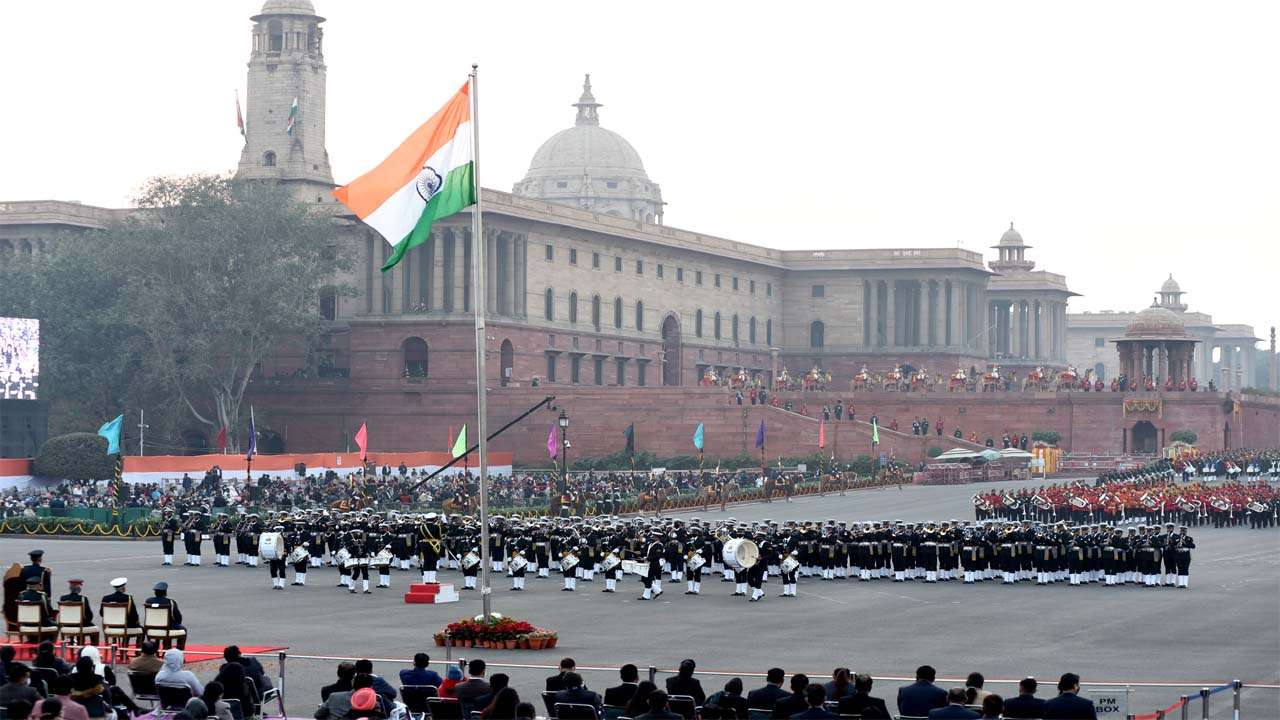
column 1227, row 625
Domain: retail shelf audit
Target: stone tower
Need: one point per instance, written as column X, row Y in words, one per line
column 287, row 63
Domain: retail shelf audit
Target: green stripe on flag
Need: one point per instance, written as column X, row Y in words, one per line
column 458, row 192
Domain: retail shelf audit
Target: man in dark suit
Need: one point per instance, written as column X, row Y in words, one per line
column 469, row 690
column 421, row 672
column 684, row 683
column 795, row 702
column 658, row 709
column 918, row 698
column 766, row 697
column 1069, row 705
column 573, row 692
column 861, row 703
column 555, row 683
column 814, row 696
column 1026, row 704
column 620, row 695
column 954, row 709
column 346, row 671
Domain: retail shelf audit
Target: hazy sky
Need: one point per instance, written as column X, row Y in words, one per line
column 1126, row 140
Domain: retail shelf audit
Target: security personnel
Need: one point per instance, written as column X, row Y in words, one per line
column 37, row 570
column 73, row 595
column 161, row 599
column 1182, row 556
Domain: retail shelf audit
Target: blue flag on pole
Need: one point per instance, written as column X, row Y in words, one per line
column 253, row 438
column 111, row 431
column 698, row 437
column 760, row 436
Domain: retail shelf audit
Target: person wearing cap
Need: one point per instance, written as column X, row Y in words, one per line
column 37, row 570
column 33, row 594
column 161, row 599
column 75, row 585
column 169, row 529
column 429, row 538
column 121, row 596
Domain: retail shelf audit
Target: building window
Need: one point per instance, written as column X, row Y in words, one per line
column 659, row 271
column 639, row 316
column 415, row 357
column 551, row 367
column 573, row 256
column 697, row 323
column 679, row 274
column 640, row 367
column 329, row 304
column 816, row 332
column 617, row 263
column 735, row 283
column 818, row 291
column 639, row 267
column 575, row 369
column 1099, row 342
column 597, row 370
column 768, row 289
column 751, row 285
column 735, row 329
column 573, row 307
column 549, row 305
column 697, row 277
column 595, row 261
column 611, row 184
column 269, row 158
column 716, row 326
column 622, row 372
column 717, row 279
column 595, row 312
column 562, row 184
column 768, row 332
column 751, row 331
column 551, row 253
column 617, row 313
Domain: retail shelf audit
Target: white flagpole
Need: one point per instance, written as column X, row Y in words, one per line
column 478, row 293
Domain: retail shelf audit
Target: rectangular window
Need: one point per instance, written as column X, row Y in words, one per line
column 659, row 269
column 697, row 277
column 595, row 261
column 680, row 274
column 551, row 367
column 1100, row 342
column 768, row 289
column 598, row 370
column 611, row 184
column 640, row 367
column 735, row 283
column 550, row 253
column 617, row 263
column 717, row 279
column 622, row 371
column 818, row 291
column 751, row 285
column 573, row 256
column 562, row 184
column 639, row 267
column 575, row 369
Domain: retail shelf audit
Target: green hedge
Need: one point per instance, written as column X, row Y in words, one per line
column 1187, row 436
column 78, row 456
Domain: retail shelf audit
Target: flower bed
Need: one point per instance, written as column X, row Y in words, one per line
column 496, row 633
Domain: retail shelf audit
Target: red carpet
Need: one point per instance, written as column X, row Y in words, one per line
column 204, row 653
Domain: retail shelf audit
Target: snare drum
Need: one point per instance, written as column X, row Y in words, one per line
column 297, row 555
column 789, row 564
column 568, row 561
column 695, row 561
column 611, row 561
column 470, row 560
column 382, row 559
column 342, row 556
column 518, row 562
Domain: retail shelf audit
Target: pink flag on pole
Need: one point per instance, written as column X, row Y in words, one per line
column 553, row 442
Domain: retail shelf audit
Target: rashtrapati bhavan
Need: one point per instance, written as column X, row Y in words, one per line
column 595, row 298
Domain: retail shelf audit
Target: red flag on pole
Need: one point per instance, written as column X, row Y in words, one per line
column 822, row 434
column 362, row 441
column 553, row 442
column 222, row 439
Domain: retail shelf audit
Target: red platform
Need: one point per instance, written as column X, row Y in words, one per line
column 430, row 593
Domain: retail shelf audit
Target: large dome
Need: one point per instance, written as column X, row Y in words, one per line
column 589, row 167
column 1156, row 322
column 1170, row 285
column 288, row 7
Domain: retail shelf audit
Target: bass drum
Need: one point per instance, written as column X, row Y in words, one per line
column 740, row 553
column 271, row 546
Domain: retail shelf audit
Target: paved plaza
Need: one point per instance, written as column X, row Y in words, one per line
column 1226, row 626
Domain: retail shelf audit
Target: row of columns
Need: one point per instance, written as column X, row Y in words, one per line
column 1234, row 369
column 1157, row 360
column 928, row 313
column 436, row 276
column 1032, row 329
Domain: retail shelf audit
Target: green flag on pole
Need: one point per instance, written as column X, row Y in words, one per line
column 111, row 431
column 460, row 444
column 875, row 432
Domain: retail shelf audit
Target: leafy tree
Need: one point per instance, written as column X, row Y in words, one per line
column 1187, row 436
column 77, row 456
column 1048, row 437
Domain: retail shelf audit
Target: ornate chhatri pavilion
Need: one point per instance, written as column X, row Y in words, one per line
column 1156, row 346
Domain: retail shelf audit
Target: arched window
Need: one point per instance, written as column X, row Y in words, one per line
column 24, row 246
column 595, row 312
column 1100, row 371
column 617, row 313
column 751, row 331
column 735, row 328
column 276, row 33
column 415, row 357
column 573, row 307
column 697, row 323
column 328, row 304
column 768, row 332
column 549, row 305
column 816, row 332
column 717, row 326
column 639, row 316
column 269, row 158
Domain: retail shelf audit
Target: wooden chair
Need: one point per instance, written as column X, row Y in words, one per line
column 71, row 624
column 156, row 620
column 115, row 624
column 31, row 622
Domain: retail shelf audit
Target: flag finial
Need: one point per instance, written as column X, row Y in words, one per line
column 588, row 108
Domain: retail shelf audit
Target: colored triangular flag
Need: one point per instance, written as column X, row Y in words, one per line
column 698, row 436
column 875, row 432
column 111, row 431
column 362, row 440
column 553, row 442
column 430, row 176
column 460, row 444
column 253, row 438
column 293, row 117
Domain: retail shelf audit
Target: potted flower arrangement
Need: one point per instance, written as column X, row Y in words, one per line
column 495, row 633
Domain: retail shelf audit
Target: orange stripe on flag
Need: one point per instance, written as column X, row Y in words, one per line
column 367, row 192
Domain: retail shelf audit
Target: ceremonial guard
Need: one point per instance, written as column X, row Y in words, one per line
column 75, row 585
column 652, row 578
column 519, row 546
column 160, row 600
column 35, row 594
column 221, row 533
column 37, row 570
column 428, row 542
column 192, row 536
column 120, row 596
column 358, row 547
column 169, row 530
column 275, row 565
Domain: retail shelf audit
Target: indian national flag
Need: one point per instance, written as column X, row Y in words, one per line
column 430, row 176
column 293, row 117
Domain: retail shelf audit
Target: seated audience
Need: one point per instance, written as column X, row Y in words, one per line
column 60, row 689
column 147, row 661
column 1069, row 705
column 795, row 702
column 213, row 702
column 684, row 683
column 918, row 698
column 573, row 692
column 639, row 704
column 526, row 711
column 730, row 701
column 974, row 682
column 421, row 672
column 475, row 686
column 1026, row 704
column 815, row 696
column 346, row 671
column 252, row 668
column 380, row 686
column 840, row 684
column 766, row 697
column 992, row 707
column 861, row 703
column 173, row 674
column 47, row 658
column 620, row 695
column 503, row 706
column 50, row 709
column 235, row 686
column 955, row 708
column 658, row 710
column 452, row 677
column 555, row 683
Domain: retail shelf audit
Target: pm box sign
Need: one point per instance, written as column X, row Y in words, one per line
column 1109, row 704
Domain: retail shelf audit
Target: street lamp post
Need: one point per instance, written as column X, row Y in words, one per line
column 563, row 420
